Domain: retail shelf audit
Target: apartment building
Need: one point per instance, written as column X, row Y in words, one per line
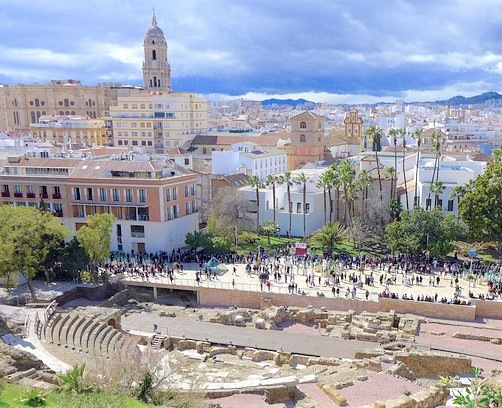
column 154, row 202
column 157, row 121
column 71, row 130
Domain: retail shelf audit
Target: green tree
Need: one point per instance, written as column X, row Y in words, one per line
column 421, row 230
column 271, row 180
column 481, row 206
column 328, row 236
column 95, row 237
column 390, row 173
column 287, row 179
column 437, row 188
column 435, row 140
column 457, row 193
column 364, row 182
column 417, row 135
column 27, row 235
column 73, row 380
column 256, row 183
column 375, row 135
column 198, row 239
column 325, row 182
column 395, row 134
column 302, row 180
column 347, row 177
column 268, row 228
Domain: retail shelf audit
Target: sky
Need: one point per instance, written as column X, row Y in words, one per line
column 336, row 51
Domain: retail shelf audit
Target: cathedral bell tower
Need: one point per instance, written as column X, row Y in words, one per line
column 156, row 68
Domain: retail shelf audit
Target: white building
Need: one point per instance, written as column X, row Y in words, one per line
column 251, row 159
column 453, row 172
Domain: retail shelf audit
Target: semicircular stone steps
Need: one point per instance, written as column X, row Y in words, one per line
column 71, row 332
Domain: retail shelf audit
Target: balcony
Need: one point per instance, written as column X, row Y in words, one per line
column 44, row 195
column 5, row 194
column 30, row 195
column 18, row 195
column 58, row 214
column 56, row 196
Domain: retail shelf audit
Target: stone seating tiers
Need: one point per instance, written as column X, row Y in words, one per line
column 82, row 334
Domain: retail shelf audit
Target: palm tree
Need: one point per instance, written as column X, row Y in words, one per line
column 302, row 179
column 325, row 182
column 375, row 135
column 328, row 236
column 288, row 180
column 402, row 135
column 457, row 193
column 417, row 135
column 437, row 188
column 365, row 182
column 256, row 183
column 394, row 133
column 336, row 184
column 435, row 141
column 390, row 172
column 271, row 180
column 347, row 177
column 269, row 228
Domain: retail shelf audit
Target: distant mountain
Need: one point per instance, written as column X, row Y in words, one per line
column 288, row 102
column 473, row 100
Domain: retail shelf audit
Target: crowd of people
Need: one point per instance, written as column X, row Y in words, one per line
column 344, row 274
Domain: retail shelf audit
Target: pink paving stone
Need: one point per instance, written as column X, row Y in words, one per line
column 313, row 391
column 241, row 400
column 378, row 387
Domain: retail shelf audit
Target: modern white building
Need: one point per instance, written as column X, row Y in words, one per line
column 314, row 214
column 453, row 172
column 251, row 159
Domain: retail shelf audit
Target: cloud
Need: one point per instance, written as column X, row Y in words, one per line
column 365, row 48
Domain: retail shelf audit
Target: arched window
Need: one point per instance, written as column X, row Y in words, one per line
column 73, row 112
column 303, row 125
column 38, row 116
column 66, row 102
column 154, row 55
column 155, row 82
column 37, row 102
column 303, row 138
column 33, row 117
column 61, row 113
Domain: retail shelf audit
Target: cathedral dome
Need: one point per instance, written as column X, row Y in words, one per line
column 154, row 32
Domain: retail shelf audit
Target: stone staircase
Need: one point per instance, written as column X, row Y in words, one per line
column 156, row 341
column 76, row 337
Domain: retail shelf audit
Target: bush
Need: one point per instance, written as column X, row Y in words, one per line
column 248, row 238
column 34, row 398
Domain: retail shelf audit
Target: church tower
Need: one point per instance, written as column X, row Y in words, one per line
column 156, row 68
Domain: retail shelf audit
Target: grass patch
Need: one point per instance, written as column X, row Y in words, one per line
column 13, row 392
column 485, row 251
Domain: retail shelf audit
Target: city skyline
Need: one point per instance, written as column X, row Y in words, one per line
column 335, row 52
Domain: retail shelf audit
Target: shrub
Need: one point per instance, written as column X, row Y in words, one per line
column 34, row 398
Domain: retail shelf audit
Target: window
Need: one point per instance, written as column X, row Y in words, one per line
column 169, row 213
column 298, row 208
column 303, row 125
column 307, row 208
column 187, row 162
column 303, row 139
column 168, row 194
column 5, row 188
column 450, row 205
column 428, row 202
column 102, row 194
column 192, row 189
column 267, row 205
column 89, row 194
column 137, row 231
column 440, row 203
column 129, row 195
column 187, row 190
column 176, row 211
column 142, row 196
column 175, row 193
column 187, row 208
column 115, row 195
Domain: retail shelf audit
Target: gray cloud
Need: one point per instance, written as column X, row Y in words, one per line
column 365, row 47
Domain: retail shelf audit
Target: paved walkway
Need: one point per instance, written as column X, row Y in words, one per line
column 247, row 336
column 243, row 281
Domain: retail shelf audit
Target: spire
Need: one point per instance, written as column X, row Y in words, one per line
column 154, row 18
